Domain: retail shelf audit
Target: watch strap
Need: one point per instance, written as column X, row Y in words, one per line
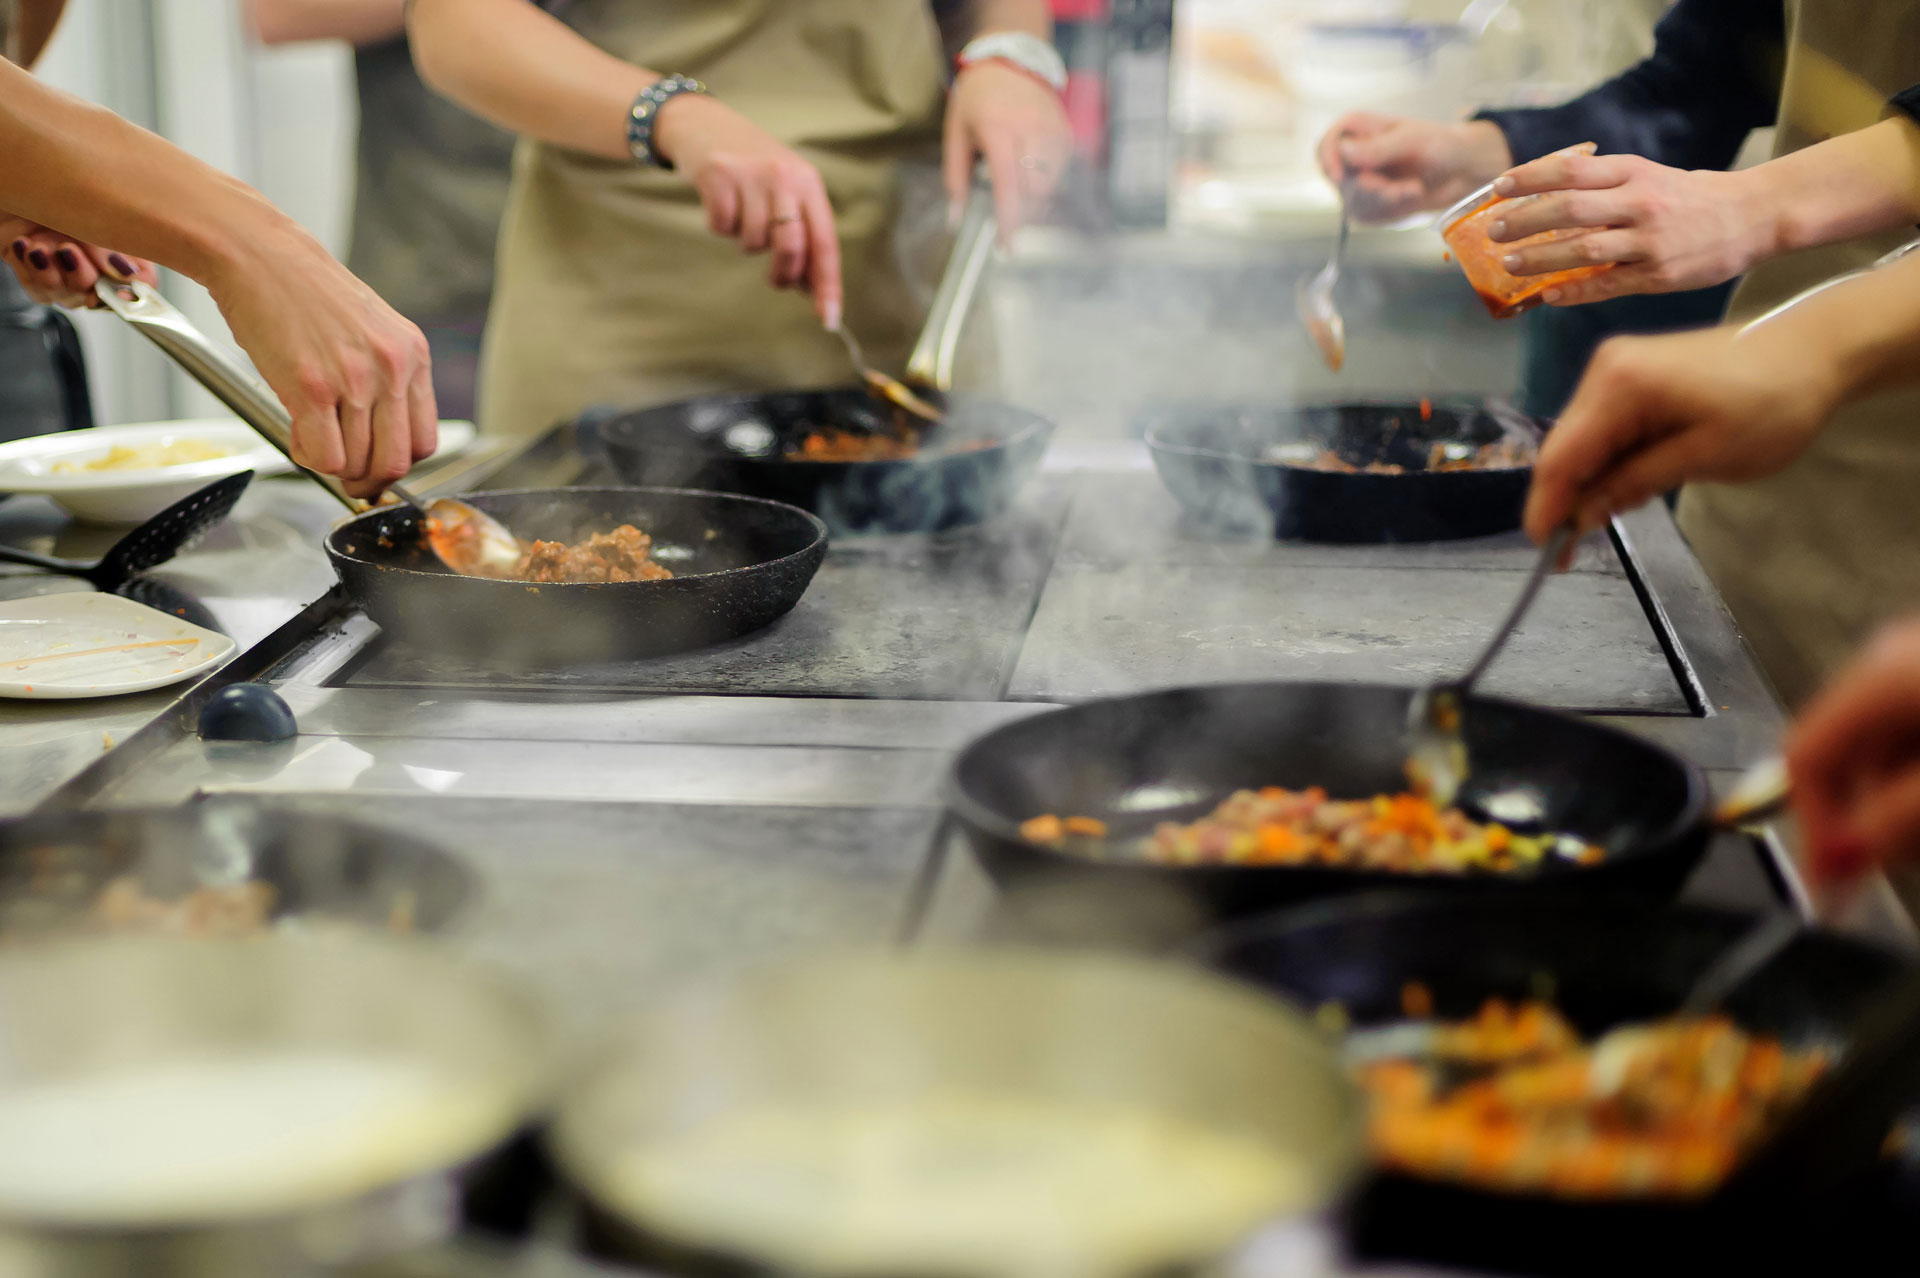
column 1021, row 50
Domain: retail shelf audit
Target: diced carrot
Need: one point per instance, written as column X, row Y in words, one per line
column 1281, row 842
column 1046, row 828
column 1426, row 410
column 1092, row 827
column 1416, row 1000
column 1592, row 854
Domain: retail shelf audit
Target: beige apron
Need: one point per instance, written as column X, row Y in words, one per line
column 610, row 289
column 1813, row 559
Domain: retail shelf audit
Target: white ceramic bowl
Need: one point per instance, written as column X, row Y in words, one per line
column 130, row 496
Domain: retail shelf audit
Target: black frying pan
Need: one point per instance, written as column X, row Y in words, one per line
column 739, row 564
column 1240, row 467
column 1608, row 962
column 1173, row 755
column 967, row 470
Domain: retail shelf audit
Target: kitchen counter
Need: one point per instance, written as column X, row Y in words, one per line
column 639, row 825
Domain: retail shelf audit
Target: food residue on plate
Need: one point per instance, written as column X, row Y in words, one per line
column 1514, row 1099
column 238, row 909
column 172, row 452
column 1402, row 833
column 957, row 1182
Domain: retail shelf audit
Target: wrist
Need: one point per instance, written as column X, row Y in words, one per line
column 1769, row 227
column 1482, row 150
column 1020, row 51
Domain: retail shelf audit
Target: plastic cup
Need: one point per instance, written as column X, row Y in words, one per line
column 1464, row 228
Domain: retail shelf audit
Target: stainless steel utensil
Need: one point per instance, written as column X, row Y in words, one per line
column 1437, row 760
column 1314, row 298
column 1760, row 793
column 1885, row 260
column 888, row 388
column 931, row 362
column 467, row 541
column 151, row 544
column 1065, row 1028
column 137, row 1008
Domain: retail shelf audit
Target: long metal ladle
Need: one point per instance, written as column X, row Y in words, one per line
column 467, row 540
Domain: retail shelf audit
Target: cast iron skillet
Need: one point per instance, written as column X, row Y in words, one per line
column 1173, row 755
column 1608, row 961
column 1229, row 466
column 968, row 469
column 739, row 564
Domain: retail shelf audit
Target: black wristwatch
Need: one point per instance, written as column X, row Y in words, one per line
column 646, row 110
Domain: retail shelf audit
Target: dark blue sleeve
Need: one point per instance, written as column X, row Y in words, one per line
column 1713, row 77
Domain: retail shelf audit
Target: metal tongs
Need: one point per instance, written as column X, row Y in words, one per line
column 467, row 540
column 1885, row 260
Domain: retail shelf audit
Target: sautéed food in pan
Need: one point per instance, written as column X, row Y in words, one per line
column 1403, row 833
column 1515, row 1100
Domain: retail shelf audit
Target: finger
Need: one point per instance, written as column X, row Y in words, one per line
column 423, row 414
column 756, row 218
column 1560, row 211
column 1843, row 734
column 957, row 155
column 1638, row 477
column 316, row 439
column 1621, row 281
column 1381, row 199
column 356, row 439
column 823, row 253
column 1589, row 248
column 1566, row 173
column 722, row 200
column 120, row 267
column 41, row 273
column 789, row 242
column 1603, row 421
column 77, row 272
column 1003, row 167
column 1887, row 816
column 390, row 452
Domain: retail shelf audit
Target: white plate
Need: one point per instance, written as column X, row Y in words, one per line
column 130, row 496
column 85, row 644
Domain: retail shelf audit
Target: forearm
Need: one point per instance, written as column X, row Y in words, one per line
column 356, row 21
column 33, row 28
column 86, row 172
column 1862, row 336
column 1852, row 185
column 518, row 66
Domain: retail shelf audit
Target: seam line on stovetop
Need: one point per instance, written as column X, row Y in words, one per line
column 1691, row 688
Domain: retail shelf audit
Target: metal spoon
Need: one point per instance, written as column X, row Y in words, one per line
column 1314, row 297
column 467, row 540
column 1436, row 753
column 888, row 388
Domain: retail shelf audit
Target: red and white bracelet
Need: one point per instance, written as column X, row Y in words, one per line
column 1022, row 52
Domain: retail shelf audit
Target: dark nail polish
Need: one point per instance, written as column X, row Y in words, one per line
column 20, row 249
column 68, row 259
column 39, row 259
column 120, row 264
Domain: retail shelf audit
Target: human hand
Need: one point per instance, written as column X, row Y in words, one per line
column 60, row 271
column 1654, row 412
column 1854, row 757
column 1019, row 125
column 758, row 191
column 1402, row 166
column 352, row 372
column 1663, row 230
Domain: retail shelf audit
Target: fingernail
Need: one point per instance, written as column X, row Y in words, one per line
column 1503, row 186
column 20, row 249
column 1511, row 261
column 1552, row 297
column 121, row 265
column 68, row 259
column 39, row 259
column 833, row 317
column 1497, row 230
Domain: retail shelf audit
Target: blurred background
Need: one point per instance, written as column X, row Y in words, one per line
column 1196, row 203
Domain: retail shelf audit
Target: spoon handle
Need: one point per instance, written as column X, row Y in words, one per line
column 1550, row 555
column 931, row 361
column 141, row 305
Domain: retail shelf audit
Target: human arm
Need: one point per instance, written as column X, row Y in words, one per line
column 1712, row 78
column 355, row 21
column 1007, row 116
column 515, row 64
column 1723, row 404
column 1667, row 230
column 351, row 372
column 1854, row 757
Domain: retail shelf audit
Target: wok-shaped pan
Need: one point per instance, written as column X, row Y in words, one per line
column 1172, row 755
column 1608, row 962
column 1248, row 467
column 739, row 564
column 967, row 469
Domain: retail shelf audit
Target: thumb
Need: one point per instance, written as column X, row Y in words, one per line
column 1383, row 150
column 956, row 168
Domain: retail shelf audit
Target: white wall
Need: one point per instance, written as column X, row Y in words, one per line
column 281, row 119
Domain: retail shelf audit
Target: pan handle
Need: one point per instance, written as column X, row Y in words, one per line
column 931, row 363
column 140, row 304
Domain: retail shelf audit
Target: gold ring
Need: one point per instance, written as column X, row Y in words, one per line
column 781, row 219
